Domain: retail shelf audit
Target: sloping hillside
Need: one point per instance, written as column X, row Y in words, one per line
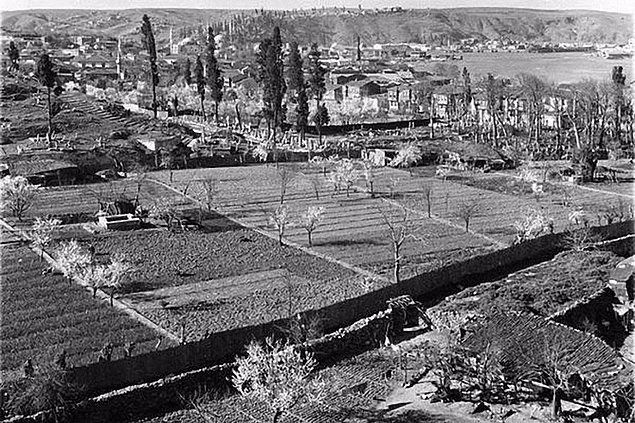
column 343, row 26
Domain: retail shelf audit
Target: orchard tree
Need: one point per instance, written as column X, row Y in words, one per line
column 466, row 210
column 72, row 259
column 41, row 233
column 119, row 271
column 311, row 219
column 369, row 176
column 215, row 79
column 317, row 86
column 16, row 195
column 14, row 56
column 46, row 75
column 277, row 374
column 280, row 219
column 209, row 192
column 346, row 174
column 400, row 227
column 407, row 156
column 150, row 46
column 96, row 276
column 427, row 196
column 286, row 178
column 199, row 78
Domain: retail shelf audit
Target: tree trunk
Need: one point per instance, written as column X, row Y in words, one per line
column 202, row 107
column 467, row 225
column 397, row 260
column 112, row 294
column 216, row 111
column 310, row 240
column 154, row 98
column 49, row 133
column 276, row 416
column 555, row 403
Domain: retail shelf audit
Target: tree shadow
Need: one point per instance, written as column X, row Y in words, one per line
column 347, row 243
column 392, row 416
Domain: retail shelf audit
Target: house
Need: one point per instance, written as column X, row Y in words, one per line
column 524, row 340
column 334, row 92
column 359, row 89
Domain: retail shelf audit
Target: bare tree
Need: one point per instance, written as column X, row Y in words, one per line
column 369, row 176
column 311, row 220
column 16, row 195
column 280, row 219
column 277, row 374
column 41, row 233
column 466, row 211
column 163, row 209
column 286, row 178
column 427, row 196
column 96, row 276
column 400, row 227
column 209, row 192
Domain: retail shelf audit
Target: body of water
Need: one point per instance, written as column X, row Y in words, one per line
column 555, row 67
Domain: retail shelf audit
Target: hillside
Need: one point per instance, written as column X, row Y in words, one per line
column 343, row 26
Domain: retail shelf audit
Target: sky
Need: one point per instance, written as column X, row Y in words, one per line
column 623, row 6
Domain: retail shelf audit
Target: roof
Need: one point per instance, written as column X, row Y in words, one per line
column 30, row 166
column 361, row 83
column 525, row 339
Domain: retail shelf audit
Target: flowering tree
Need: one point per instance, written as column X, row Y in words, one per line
column 406, row 156
column 96, row 276
column 71, row 259
column 579, row 218
column 277, row 374
column 280, row 219
column 261, row 152
column 286, row 178
column 42, row 232
column 532, row 225
column 311, row 220
column 16, row 195
column 346, row 174
column 118, row 270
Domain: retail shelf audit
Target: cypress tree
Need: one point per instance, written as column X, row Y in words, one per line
column 46, row 75
column 150, row 46
column 186, row 71
column 199, row 79
column 271, row 76
column 14, row 56
column 214, row 74
column 318, row 87
column 294, row 73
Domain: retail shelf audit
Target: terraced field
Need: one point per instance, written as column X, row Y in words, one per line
column 43, row 315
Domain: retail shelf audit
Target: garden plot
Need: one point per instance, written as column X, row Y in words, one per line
column 80, row 203
column 43, row 315
column 193, row 304
column 353, row 228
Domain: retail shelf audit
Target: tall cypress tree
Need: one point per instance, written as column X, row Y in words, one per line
column 46, row 75
column 186, row 71
column 14, row 56
column 619, row 82
column 150, row 46
column 271, row 76
column 199, row 79
column 317, row 86
column 294, row 69
column 214, row 75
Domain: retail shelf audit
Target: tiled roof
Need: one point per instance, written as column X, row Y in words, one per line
column 524, row 338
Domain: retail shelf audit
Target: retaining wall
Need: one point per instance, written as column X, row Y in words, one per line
column 223, row 346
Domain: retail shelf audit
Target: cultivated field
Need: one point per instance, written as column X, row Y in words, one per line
column 43, row 315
